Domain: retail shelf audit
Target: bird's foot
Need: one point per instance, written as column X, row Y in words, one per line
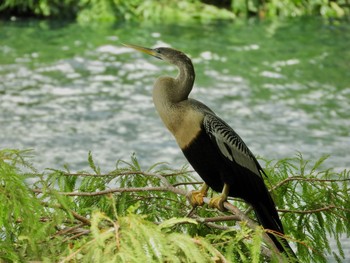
column 218, row 202
column 196, row 197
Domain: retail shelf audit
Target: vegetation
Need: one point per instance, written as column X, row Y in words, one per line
column 136, row 215
column 172, row 10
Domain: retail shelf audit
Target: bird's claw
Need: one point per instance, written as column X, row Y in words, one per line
column 218, row 202
column 196, row 198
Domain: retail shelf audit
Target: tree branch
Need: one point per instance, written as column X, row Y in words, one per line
column 313, row 211
column 305, row 179
column 110, row 191
column 122, row 174
column 80, row 218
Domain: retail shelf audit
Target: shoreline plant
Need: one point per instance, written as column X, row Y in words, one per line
column 131, row 214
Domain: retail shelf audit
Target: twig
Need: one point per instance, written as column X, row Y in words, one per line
column 187, row 183
column 304, row 179
column 216, row 219
column 321, row 209
column 123, row 174
column 80, row 218
column 216, row 226
column 68, row 230
column 114, row 190
column 84, row 232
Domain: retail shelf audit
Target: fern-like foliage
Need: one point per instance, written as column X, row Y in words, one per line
column 136, row 214
column 131, row 238
column 21, row 212
column 314, row 204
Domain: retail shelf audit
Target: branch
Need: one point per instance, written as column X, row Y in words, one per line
column 110, row 191
column 122, row 174
column 304, row 179
column 81, row 233
column 187, row 183
column 80, row 218
column 216, row 219
column 66, row 230
column 317, row 210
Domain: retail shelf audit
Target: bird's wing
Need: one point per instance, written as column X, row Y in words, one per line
column 230, row 144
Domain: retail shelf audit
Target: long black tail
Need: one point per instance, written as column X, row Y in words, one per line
column 268, row 217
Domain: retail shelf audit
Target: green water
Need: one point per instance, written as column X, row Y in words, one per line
column 66, row 89
column 284, row 86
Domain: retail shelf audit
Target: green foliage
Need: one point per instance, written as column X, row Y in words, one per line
column 314, row 202
column 156, row 11
column 40, row 8
column 22, row 214
column 87, row 11
column 291, row 8
column 133, row 214
column 133, row 239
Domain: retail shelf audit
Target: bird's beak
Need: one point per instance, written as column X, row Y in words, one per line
column 146, row 50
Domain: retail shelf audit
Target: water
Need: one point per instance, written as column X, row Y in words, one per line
column 66, row 89
column 284, row 86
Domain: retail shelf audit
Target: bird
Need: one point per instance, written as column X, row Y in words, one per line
column 214, row 150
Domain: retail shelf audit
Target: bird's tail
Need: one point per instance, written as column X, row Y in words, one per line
column 269, row 219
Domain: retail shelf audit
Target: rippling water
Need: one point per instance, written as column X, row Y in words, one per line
column 66, row 90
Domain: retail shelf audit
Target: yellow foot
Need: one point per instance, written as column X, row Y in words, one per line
column 196, row 198
column 218, row 202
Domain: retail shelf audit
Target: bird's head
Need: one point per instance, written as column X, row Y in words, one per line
column 171, row 55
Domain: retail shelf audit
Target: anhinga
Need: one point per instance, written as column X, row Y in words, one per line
column 211, row 146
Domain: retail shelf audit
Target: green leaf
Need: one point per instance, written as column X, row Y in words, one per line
column 95, row 168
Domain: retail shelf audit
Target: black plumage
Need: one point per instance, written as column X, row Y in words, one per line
column 225, row 159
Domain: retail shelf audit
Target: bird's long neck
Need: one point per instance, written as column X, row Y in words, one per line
column 170, row 93
column 184, row 80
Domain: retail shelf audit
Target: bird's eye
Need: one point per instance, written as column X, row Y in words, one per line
column 158, row 53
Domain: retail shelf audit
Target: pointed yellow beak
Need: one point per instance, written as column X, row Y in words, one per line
column 148, row 51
